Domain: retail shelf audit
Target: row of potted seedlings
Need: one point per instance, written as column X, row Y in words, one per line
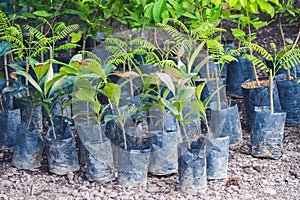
column 138, row 121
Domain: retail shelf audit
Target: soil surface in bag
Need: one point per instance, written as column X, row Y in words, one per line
column 267, row 133
column 28, row 151
column 62, row 155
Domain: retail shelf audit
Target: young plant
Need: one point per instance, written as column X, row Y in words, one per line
column 287, row 57
column 91, row 78
column 189, row 44
column 124, row 49
column 45, row 83
column 113, row 92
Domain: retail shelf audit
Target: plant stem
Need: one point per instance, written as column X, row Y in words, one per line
column 217, row 89
column 130, row 81
column 186, row 135
column 83, row 44
column 30, row 117
column 295, row 43
column 6, row 69
column 281, row 30
column 87, row 113
column 27, row 70
column 251, row 53
column 124, row 136
column 271, row 92
column 100, row 131
column 208, row 130
column 52, row 125
column 207, row 66
column 2, row 107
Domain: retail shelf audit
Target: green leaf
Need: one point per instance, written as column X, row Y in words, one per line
column 126, row 114
column 266, row 7
column 199, row 106
column 28, row 15
column 243, row 3
column 97, row 107
column 108, row 118
column 199, row 90
column 49, row 77
column 167, row 80
column 259, row 24
column 238, row 33
column 85, row 95
column 158, row 8
column 216, row 2
column 76, row 37
column 254, row 8
column 5, row 47
column 148, row 10
column 60, row 82
column 113, row 92
column 184, row 95
column 40, row 69
column 169, row 105
column 276, row 2
column 30, row 79
column 42, row 13
column 194, row 56
column 232, row 3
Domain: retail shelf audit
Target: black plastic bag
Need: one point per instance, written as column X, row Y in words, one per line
column 164, row 152
column 237, row 73
column 259, row 96
column 192, row 167
column 267, row 132
column 9, row 121
column 133, row 165
column 210, row 89
column 226, row 122
column 98, row 155
column 289, row 95
column 217, row 158
column 28, row 114
column 100, row 164
column 28, row 151
column 62, row 156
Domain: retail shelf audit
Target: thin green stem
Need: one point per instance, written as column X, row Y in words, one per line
column 186, row 135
